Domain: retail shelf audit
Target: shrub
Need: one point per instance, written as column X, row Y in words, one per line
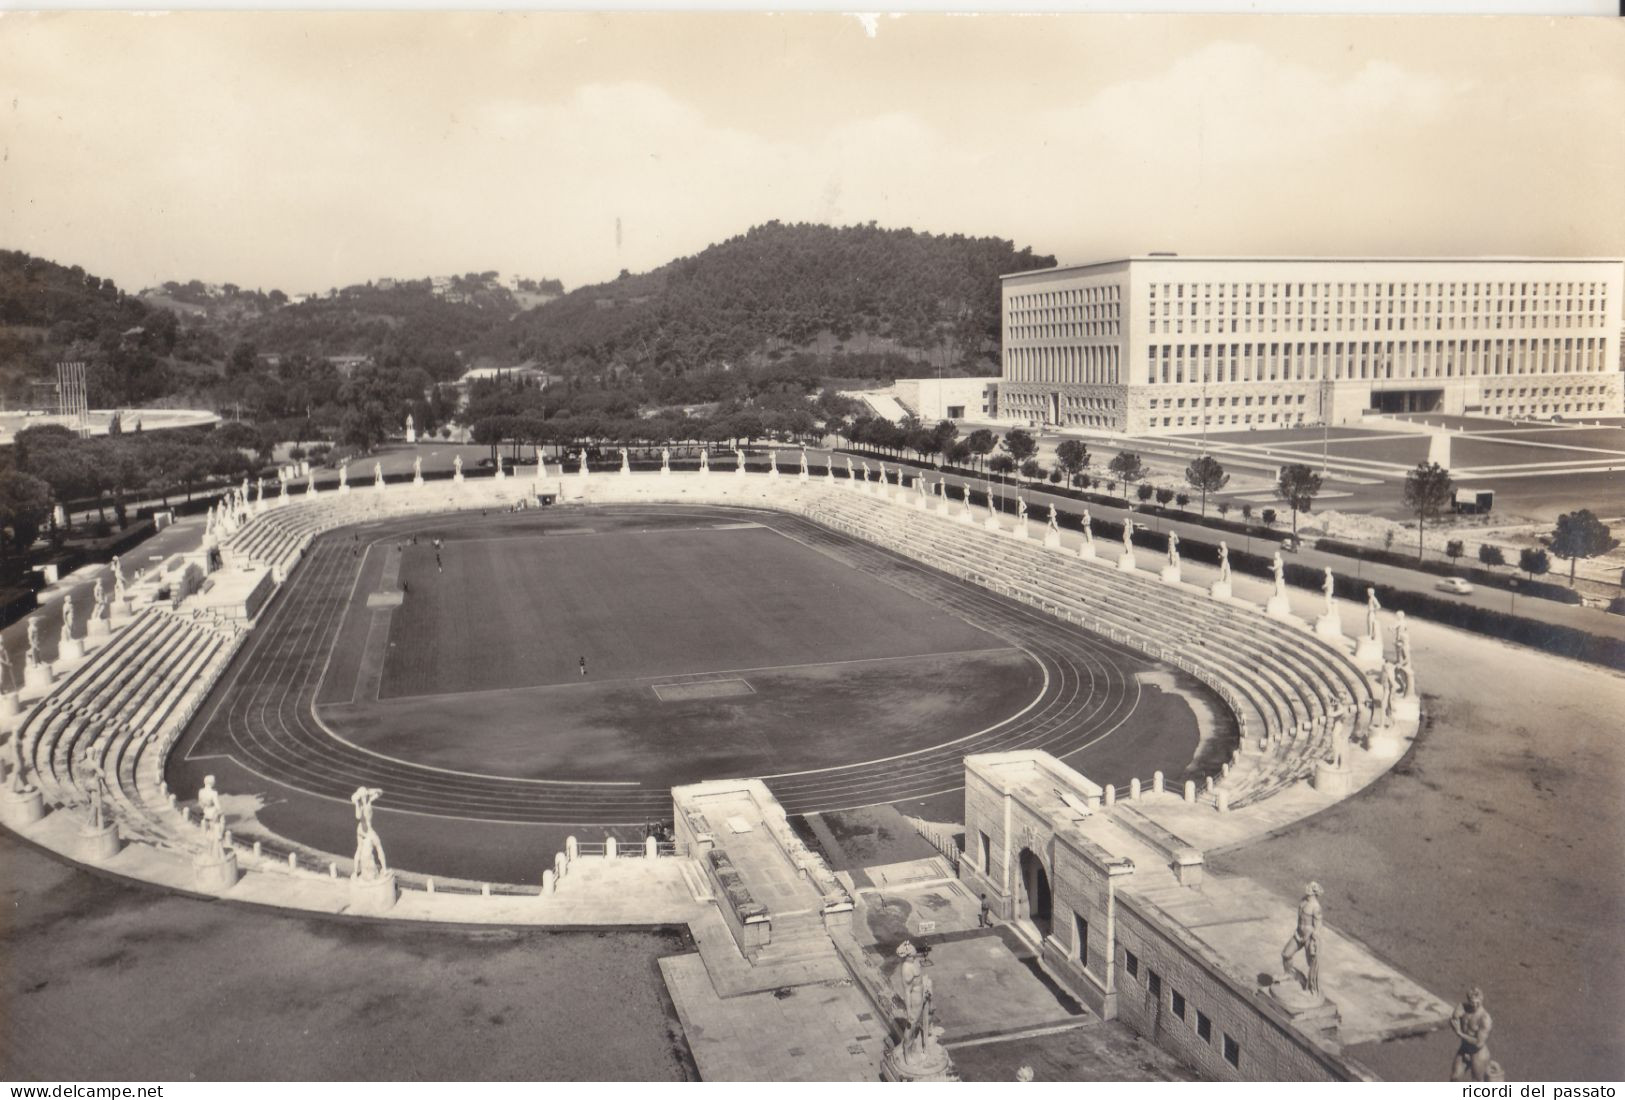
column 1165, row 497
column 1145, row 492
column 1268, row 516
column 1454, row 549
column 1182, row 499
column 1491, row 555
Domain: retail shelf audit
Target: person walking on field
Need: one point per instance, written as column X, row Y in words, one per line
column 583, row 666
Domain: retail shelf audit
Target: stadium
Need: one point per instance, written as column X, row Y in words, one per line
column 556, row 688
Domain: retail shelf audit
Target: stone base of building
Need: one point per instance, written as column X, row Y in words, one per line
column 20, row 809
column 1170, row 574
column 1329, row 625
column 214, row 874
column 1220, row 590
column 1125, row 564
column 373, row 895
column 1279, row 607
column 98, row 844
column 1332, row 781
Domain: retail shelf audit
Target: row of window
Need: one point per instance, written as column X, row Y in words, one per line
column 1198, row 1021
column 1280, row 419
column 1354, row 324
column 1179, row 402
column 1066, row 363
column 1367, row 290
column 1369, row 359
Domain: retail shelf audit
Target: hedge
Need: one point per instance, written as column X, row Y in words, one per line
column 1487, row 577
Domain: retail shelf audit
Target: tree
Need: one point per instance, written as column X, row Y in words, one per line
column 1268, row 516
column 1072, row 458
column 1128, row 467
column 1491, row 555
column 1297, row 486
column 1246, row 511
column 1534, row 561
column 1145, row 492
column 25, row 503
column 981, row 442
column 1165, row 496
column 1205, row 475
column 1454, row 549
column 1224, row 508
column 1020, row 445
column 959, row 453
column 1032, row 470
column 1183, row 500
column 1581, row 535
column 1001, row 464
column 1428, row 491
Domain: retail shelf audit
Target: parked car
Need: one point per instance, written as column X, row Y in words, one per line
column 1455, row 586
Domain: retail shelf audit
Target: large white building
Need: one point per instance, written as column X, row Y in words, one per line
column 1145, row 344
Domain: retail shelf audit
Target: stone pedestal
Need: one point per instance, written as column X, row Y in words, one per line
column 38, row 677
column 373, row 895
column 215, row 874
column 98, row 844
column 1220, row 590
column 344, row 488
column 417, row 481
column 943, row 507
column 457, row 478
column 1087, row 551
column 1019, row 531
column 804, row 475
column 1407, row 708
column 10, row 709
column 1052, row 538
column 992, row 523
column 967, row 514
column 1170, row 574
column 1310, row 1012
column 1279, row 607
column 72, row 649
column 1368, row 652
column 1125, row 564
column 1329, row 625
column 21, row 809
column 1385, row 744
column 931, row 1064
column 1335, row 782
column 665, row 471
column 97, row 628
column 922, row 503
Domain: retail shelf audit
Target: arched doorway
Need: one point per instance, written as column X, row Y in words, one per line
column 1035, row 895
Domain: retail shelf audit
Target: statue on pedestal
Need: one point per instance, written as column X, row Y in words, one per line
column 1372, row 629
column 1305, row 938
column 1339, row 735
column 19, row 763
column 344, row 476
column 378, row 475
column 282, row 494
column 1173, row 548
column 417, row 468
column 803, row 460
column 1387, row 682
column 1054, row 525
column 67, row 621
column 259, row 492
column 35, row 657
column 582, row 468
column 457, row 466
column 1329, row 586
column 369, row 850
column 850, row 472
column 739, row 461
column 1224, row 562
column 411, row 432
column 919, row 1054
column 626, row 462
column 98, row 601
column 214, row 818
column 919, row 488
column 96, row 812
column 208, row 524
column 665, row 460
column 310, row 483
column 705, row 459
column 1088, row 528
column 866, row 472
column 118, row 580
column 1128, row 536
column 1278, row 568
column 1021, row 508
column 1471, row 1023
column 773, row 461
column 1402, row 641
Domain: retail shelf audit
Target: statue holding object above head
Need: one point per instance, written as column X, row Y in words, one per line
column 1372, row 629
column 1471, row 1022
column 369, row 850
column 1305, row 938
column 1224, row 561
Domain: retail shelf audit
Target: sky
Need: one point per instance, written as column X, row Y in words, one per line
column 302, row 151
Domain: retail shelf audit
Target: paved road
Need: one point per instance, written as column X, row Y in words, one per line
column 1589, row 619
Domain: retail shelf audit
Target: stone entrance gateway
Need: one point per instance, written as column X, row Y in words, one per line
column 1035, row 904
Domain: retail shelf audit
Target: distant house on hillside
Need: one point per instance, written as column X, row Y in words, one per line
column 385, row 284
column 346, row 364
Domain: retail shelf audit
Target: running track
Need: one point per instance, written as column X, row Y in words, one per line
column 262, row 709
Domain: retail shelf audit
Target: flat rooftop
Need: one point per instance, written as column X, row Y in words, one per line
column 1172, row 257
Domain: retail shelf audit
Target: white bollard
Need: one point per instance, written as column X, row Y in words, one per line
column 428, row 885
column 1156, row 782
column 1223, row 801
column 1111, row 794
column 610, row 850
column 560, row 865
column 1133, row 790
column 571, row 849
column 332, row 870
column 1208, row 784
column 651, row 848
column 293, row 861
column 550, row 883
column 1190, row 790
column 485, row 889
column 257, row 852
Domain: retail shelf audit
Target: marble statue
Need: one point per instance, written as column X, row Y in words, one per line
column 1224, row 562
column 1387, row 684
column 67, row 618
column 259, row 492
column 1128, row 536
column 344, row 475
column 378, row 474
column 98, row 600
column 804, row 460
column 1471, row 1023
column 705, row 459
column 665, row 460
column 34, row 655
column 1402, row 641
column 919, row 488
column 1278, row 570
column 283, row 493
column 942, row 487
column 8, row 678
column 866, row 472
column 919, row 1044
column 411, row 432
column 1329, row 586
column 850, row 472
column 626, row 462
column 1372, row 629
column 739, row 461
column 417, row 468
column 1339, row 735
column 457, row 466
column 19, row 762
column 1088, row 528
column 208, row 523
column 1173, row 548
column 1305, row 938
column 369, row 850
column 214, row 819
column 96, row 815
column 1021, row 508
column 1054, row 525
column 773, row 461
column 310, row 483
column 582, row 466
column 118, row 579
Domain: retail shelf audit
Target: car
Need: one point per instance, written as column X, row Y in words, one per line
column 1455, row 586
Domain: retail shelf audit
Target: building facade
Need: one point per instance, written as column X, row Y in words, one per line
column 1155, row 343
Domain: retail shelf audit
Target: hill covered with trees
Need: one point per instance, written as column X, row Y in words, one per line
column 865, row 301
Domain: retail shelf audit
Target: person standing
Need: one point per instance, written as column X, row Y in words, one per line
column 583, row 666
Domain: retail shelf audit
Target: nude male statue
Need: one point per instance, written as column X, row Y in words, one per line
column 1471, row 1023
column 1306, row 938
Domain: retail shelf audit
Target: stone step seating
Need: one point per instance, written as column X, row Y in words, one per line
column 797, row 938
column 1286, row 677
